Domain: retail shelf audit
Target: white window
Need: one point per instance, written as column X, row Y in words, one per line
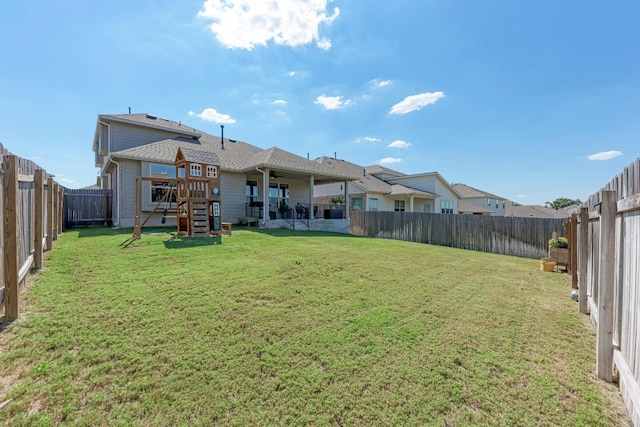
column 356, row 202
column 212, row 172
column 446, row 206
column 159, row 187
column 373, row 205
column 215, row 207
column 398, row 205
column 195, row 169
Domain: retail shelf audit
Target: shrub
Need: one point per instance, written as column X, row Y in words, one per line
column 559, row 242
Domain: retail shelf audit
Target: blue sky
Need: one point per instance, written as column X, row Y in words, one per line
column 515, row 98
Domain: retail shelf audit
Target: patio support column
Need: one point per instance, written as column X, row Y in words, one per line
column 346, row 199
column 265, row 197
column 311, row 184
column 411, row 203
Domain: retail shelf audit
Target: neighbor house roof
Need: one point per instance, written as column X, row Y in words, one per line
column 532, row 211
column 403, row 190
column 466, row 207
column 368, row 182
column 468, row 192
column 381, row 170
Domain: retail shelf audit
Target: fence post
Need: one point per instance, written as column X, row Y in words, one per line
column 60, row 209
column 38, row 234
column 49, row 214
column 582, row 262
column 573, row 251
column 10, row 249
column 54, row 213
column 606, row 280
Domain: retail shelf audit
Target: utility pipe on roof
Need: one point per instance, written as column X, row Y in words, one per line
column 265, row 193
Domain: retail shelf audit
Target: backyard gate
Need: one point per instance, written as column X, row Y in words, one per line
column 84, row 207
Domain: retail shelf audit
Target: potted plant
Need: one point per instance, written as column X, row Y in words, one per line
column 284, row 210
column 546, row 264
column 335, row 202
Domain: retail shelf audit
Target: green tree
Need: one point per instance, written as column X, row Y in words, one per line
column 562, row 202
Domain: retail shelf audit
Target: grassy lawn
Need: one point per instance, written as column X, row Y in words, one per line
column 285, row 328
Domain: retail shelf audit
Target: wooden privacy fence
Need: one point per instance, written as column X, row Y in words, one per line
column 86, row 207
column 31, row 220
column 522, row 237
column 609, row 281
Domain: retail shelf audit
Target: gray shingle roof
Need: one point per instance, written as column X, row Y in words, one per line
column 468, row 192
column 370, row 183
column 403, row 190
column 152, row 122
column 532, row 211
column 199, row 156
column 381, row 170
column 235, row 156
column 465, row 207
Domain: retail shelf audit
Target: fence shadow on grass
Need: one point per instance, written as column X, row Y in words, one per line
column 282, row 232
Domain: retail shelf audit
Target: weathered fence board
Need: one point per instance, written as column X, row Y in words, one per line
column 522, row 237
column 86, row 207
column 24, row 225
column 611, row 263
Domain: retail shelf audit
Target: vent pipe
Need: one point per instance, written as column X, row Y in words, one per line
column 129, row 110
column 222, row 136
column 335, row 156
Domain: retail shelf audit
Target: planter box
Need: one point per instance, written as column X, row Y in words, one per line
column 559, row 255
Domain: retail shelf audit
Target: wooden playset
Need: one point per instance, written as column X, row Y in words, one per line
column 194, row 196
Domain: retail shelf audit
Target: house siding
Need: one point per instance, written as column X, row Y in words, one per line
column 130, row 170
column 445, row 194
column 125, row 136
column 232, row 194
column 427, row 184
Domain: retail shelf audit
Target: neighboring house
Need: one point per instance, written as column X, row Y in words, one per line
column 383, row 189
column 478, row 202
column 533, row 211
column 254, row 181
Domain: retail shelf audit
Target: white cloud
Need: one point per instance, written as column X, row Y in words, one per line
column 605, row 155
column 416, row 102
column 368, row 139
column 521, row 196
column 387, row 160
column 291, row 73
column 332, row 102
column 280, row 102
column 67, row 181
column 243, row 24
column 324, row 44
column 398, row 143
column 377, row 83
column 211, row 115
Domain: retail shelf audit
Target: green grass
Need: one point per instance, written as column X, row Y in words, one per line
column 286, row 328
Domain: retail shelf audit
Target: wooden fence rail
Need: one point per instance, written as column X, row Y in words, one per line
column 522, row 237
column 31, row 220
column 608, row 276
